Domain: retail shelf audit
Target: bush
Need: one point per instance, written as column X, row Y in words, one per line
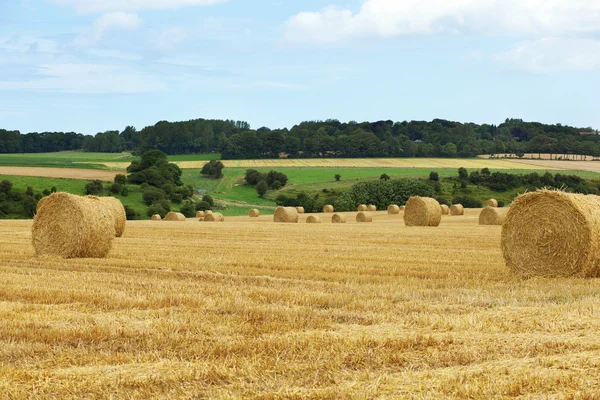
column 131, row 214
column 500, row 203
column 161, row 207
column 383, row 193
column 202, row 206
column 188, row 208
column 442, row 200
column 434, row 176
column 262, row 188
column 467, row 202
column 53, row 189
column 94, row 188
column 115, row 188
column 208, row 199
column 152, row 195
column 213, row 169
column 463, row 184
column 274, row 176
column 5, row 186
column 463, row 173
column 124, row 191
column 46, row 192
column 120, row 179
column 253, row 177
column 276, row 185
column 384, row 177
column 337, row 177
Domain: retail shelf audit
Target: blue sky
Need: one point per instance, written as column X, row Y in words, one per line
column 90, row 66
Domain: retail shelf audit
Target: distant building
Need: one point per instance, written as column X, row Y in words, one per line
column 589, row 133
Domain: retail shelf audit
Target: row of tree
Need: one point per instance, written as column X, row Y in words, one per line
column 330, row 138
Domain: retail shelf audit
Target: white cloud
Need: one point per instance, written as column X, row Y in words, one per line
column 170, row 38
column 98, row 6
column 118, row 20
column 385, row 18
column 553, row 54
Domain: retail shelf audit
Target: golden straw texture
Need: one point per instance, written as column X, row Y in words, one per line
column 445, row 209
column 491, row 203
column 364, row 216
column 254, row 213
column 300, row 210
column 492, row 216
column 199, row 214
column 174, row 216
column 118, row 211
column 363, row 207
column 214, row 217
column 457, row 209
column 286, row 215
column 371, row 208
column 393, row 209
column 328, row 209
column 338, row 219
column 156, row 217
column 313, row 219
column 422, row 211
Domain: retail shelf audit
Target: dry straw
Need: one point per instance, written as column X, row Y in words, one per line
column 372, row 208
column 313, row 219
column 457, row 209
column 254, row 213
column 553, row 234
column 328, row 209
column 199, row 214
column 214, row 217
column 72, row 226
column 363, row 207
column 118, row 212
column 338, row 219
column 492, row 216
column 286, row 215
column 422, row 211
column 156, row 217
column 300, row 210
column 173, row 216
column 491, row 203
column 445, row 209
column 393, row 209
column 40, row 203
column 364, row 217
column 207, row 212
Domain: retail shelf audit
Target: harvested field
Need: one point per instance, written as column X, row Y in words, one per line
column 68, row 173
column 374, row 310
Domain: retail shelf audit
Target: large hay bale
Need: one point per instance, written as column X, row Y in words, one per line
column 156, row 217
column 338, row 219
column 328, row 209
column 393, row 209
column 491, row 203
column 300, row 210
column 72, row 226
column 422, row 211
column 313, row 219
column 457, row 209
column 363, row 207
column 445, row 209
column 199, row 214
column 118, row 211
column 214, row 217
column 40, row 203
column 173, row 216
column 552, row 234
column 254, row 213
column 371, row 208
column 286, row 215
column 364, row 217
column 492, row 216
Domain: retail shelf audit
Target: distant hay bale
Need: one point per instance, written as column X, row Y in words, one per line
column 457, row 209
column 118, row 211
column 156, row 217
column 72, row 226
column 363, row 207
column 371, row 208
column 286, row 215
column 338, row 219
column 328, row 209
column 393, row 209
column 313, row 219
column 492, row 216
column 553, row 234
column 214, row 217
column 300, row 210
column 254, row 213
column 491, row 203
column 207, row 212
column 445, row 209
column 199, row 214
column 173, row 216
column 402, row 208
column 422, row 211
column 364, row 217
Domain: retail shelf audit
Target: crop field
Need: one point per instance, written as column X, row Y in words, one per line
column 252, row 309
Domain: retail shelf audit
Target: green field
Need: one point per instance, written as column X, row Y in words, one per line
column 64, row 159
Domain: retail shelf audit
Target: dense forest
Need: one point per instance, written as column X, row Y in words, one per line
column 330, row 138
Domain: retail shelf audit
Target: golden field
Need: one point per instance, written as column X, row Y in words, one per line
column 251, row 309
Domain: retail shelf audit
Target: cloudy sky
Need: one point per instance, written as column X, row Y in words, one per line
column 96, row 65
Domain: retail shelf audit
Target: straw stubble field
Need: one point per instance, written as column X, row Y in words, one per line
column 252, row 309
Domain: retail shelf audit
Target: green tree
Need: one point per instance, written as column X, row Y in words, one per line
column 434, row 176
column 463, row 173
column 213, row 169
column 94, row 188
column 337, row 177
column 384, row 177
column 261, row 188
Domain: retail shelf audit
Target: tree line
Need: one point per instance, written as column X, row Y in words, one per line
column 330, row 138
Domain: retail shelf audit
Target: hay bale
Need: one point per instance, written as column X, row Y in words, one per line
column 371, row 208
column 338, row 219
column 363, row 207
column 199, row 214
column 445, row 209
column 551, row 234
column 156, row 217
column 393, row 209
column 422, row 211
column 72, row 226
column 173, row 216
column 492, row 216
column 207, row 212
column 254, row 213
column 491, row 203
column 402, row 208
column 286, row 215
column 118, row 211
column 313, row 219
column 364, row 217
column 328, row 209
column 300, row 210
column 457, row 209
column 40, row 203
column 214, row 217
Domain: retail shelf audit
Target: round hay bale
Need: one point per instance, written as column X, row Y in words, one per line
column 207, row 212
column 445, row 209
column 402, row 208
column 313, row 219
column 199, row 214
column 173, row 216
column 371, row 208
column 491, row 203
column 328, row 209
column 492, row 216
column 364, row 217
column 457, row 209
column 338, row 219
column 553, row 234
column 300, row 210
column 72, row 226
column 286, row 215
column 363, row 207
column 254, row 213
column 40, row 203
column 118, row 211
column 156, row 217
column 214, row 217
column 393, row 209
column 422, row 211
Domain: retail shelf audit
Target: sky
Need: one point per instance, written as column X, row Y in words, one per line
column 95, row 65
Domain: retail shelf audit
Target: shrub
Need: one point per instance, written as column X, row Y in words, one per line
column 152, row 195
column 5, row 186
column 115, row 188
column 188, row 208
column 262, row 188
column 131, row 214
column 202, row 206
column 384, row 177
column 276, row 185
column 253, row 177
column 46, row 192
column 337, row 177
column 53, row 189
column 94, row 188
column 161, row 207
column 442, row 200
column 467, row 202
column 208, row 199
column 120, row 179
column 434, row 176
column 124, row 191
column 213, row 169
column 273, row 176
column 463, row 173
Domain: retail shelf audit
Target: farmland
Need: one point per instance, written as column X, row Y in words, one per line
column 252, row 309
